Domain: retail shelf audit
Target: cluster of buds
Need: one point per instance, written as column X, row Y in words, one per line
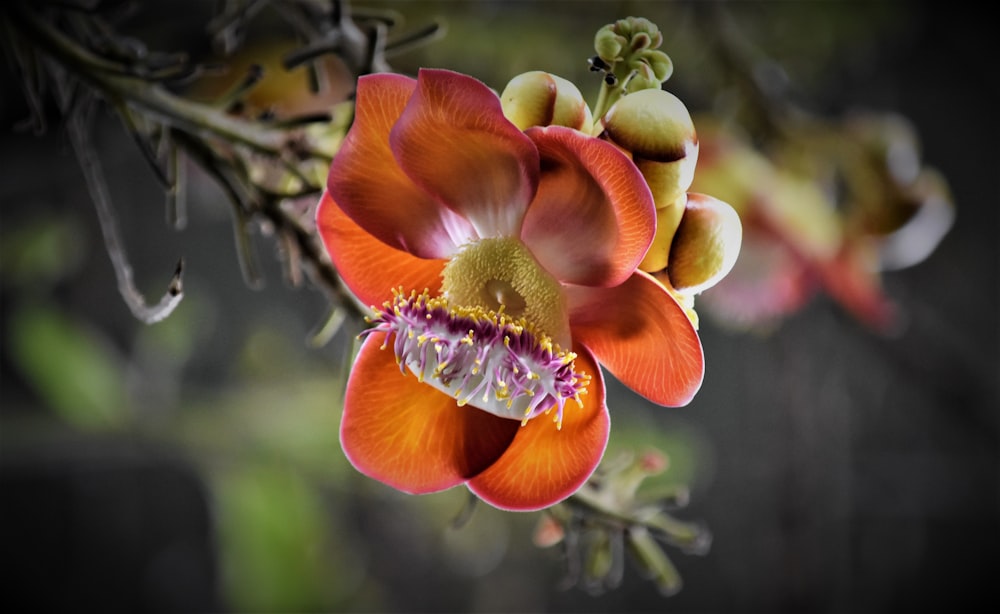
column 698, row 237
column 614, row 518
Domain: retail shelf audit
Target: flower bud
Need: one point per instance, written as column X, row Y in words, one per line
column 651, row 558
column 661, row 64
column 655, row 126
column 643, row 79
column 651, row 68
column 667, row 219
column 654, row 462
column 609, row 44
column 539, row 98
column 705, row 245
column 548, row 532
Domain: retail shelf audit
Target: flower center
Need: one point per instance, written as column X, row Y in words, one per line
column 500, row 274
column 482, row 357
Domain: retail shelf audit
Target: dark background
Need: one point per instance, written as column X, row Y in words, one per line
column 194, row 466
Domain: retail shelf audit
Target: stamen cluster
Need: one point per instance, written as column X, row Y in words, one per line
column 483, row 358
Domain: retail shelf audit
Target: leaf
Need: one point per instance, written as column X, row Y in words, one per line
column 276, row 548
column 75, row 370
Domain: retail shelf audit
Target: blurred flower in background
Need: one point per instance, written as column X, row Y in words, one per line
column 828, row 209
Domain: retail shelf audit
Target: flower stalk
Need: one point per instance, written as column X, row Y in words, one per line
column 629, row 58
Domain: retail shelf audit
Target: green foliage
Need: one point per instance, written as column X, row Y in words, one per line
column 39, row 250
column 277, row 554
column 73, row 368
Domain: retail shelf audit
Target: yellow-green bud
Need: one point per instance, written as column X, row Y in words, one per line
column 705, row 245
column 655, row 126
column 539, row 98
column 651, row 68
column 609, row 44
column 639, row 32
column 661, row 64
column 643, row 79
column 667, row 219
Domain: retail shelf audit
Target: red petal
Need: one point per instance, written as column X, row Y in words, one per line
column 370, row 268
column 593, row 217
column 369, row 186
column 544, row 465
column 454, row 141
column 643, row 337
column 850, row 279
column 409, row 435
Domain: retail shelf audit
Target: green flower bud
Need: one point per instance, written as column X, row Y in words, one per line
column 642, row 79
column 609, row 44
column 641, row 41
column 539, row 98
column 639, row 31
column 661, row 64
column 655, row 126
column 706, row 244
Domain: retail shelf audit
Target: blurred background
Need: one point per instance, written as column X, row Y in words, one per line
column 194, row 465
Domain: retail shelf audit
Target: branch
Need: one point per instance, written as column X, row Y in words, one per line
column 99, row 193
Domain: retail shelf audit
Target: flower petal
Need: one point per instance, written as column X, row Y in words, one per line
column 593, row 217
column 369, row 267
column 643, row 337
column 544, row 465
column 454, row 141
column 410, row 436
column 850, row 278
column 370, row 187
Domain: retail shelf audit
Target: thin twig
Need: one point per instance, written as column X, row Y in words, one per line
column 100, row 194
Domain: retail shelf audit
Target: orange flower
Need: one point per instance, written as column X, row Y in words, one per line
column 505, row 266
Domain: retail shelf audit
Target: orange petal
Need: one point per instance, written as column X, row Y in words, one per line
column 454, row 141
column 593, row 217
column 544, row 465
column 369, row 186
column 370, row 268
column 407, row 434
column 643, row 337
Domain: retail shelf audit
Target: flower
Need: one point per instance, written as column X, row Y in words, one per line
column 827, row 212
column 504, row 262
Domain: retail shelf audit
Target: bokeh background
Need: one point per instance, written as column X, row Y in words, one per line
column 193, row 465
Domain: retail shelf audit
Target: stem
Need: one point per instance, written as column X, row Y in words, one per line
column 601, row 106
column 610, row 94
column 100, row 194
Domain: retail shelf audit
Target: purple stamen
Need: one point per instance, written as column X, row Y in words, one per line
column 483, row 358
